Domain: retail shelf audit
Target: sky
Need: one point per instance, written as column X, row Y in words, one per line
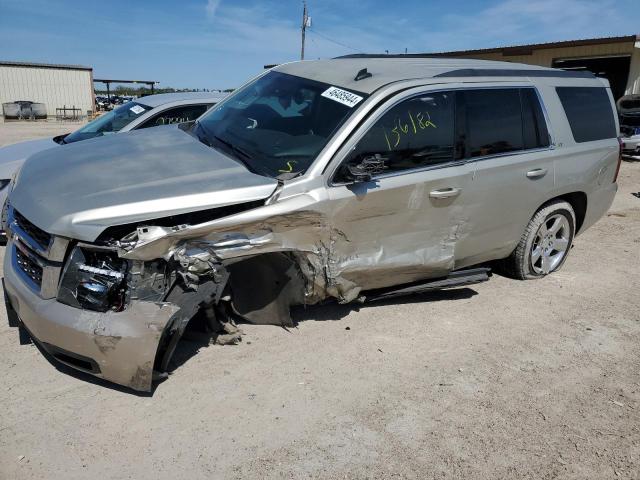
column 219, row 44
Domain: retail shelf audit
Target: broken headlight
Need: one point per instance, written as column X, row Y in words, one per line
column 94, row 279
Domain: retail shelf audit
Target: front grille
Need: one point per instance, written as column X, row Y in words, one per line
column 30, row 268
column 40, row 236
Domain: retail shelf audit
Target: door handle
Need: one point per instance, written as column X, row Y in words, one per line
column 445, row 192
column 537, row 173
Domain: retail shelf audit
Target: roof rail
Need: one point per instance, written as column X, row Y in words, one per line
column 515, row 72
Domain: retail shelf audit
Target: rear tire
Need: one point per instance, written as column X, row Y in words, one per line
column 545, row 243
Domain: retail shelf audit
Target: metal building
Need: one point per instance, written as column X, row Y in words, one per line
column 56, row 86
column 615, row 58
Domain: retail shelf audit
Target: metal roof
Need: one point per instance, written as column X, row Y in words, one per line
column 527, row 49
column 388, row 69
column 107, row 80
column 163, row 98
column 44, row 65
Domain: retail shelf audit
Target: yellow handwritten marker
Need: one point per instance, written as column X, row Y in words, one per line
column 404, row 130
column 413, row 123
column 395, row 130
column 290, row 164
column 386, row 138
column 429, row 122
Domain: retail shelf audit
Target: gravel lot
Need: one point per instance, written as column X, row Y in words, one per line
column 506, row 379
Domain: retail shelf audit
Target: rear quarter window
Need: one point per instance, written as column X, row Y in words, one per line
column 589, row 112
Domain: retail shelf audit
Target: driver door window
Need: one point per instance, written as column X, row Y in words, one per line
column 416, row 133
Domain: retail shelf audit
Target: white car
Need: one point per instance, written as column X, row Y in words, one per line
column 629, row 113
column 145, row 112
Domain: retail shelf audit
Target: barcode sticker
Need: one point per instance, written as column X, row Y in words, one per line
column 342, row 96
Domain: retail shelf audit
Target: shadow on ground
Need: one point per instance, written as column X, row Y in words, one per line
column 191, row 345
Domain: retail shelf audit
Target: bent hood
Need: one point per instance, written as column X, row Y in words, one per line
column 12, row 156
column 79, row 190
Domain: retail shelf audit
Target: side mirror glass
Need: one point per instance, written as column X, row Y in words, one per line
column 367, row 168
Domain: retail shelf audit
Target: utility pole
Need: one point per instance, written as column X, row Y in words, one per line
column 306, row 22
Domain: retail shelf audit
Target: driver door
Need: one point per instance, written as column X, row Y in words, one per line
column 408, row 221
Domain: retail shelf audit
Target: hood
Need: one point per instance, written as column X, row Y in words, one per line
column 12, row 156
column 79, row 190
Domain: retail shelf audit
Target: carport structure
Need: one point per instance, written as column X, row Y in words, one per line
column 108, row 83
column 615, row 58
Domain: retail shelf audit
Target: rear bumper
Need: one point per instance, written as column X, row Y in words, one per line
column 117, row 346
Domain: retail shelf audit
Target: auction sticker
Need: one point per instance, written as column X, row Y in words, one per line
column 137, row 109
column 342, row 96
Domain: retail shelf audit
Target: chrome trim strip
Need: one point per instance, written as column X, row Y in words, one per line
column 25, row 237
column 50, row 270
column 54, row 252
column 21, row 273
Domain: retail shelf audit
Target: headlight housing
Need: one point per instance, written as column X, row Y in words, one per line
column 94, row 279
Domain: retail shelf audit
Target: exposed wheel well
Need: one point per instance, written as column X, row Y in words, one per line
column 578, row 200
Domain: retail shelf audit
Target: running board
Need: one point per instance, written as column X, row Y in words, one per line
column 455, row 279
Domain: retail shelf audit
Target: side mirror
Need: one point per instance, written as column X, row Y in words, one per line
column 366, row 169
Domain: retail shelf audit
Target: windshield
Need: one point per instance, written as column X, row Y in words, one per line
column 111, row 122
column 278, row 124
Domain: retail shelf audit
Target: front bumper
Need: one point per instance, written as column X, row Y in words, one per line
column 117, row 346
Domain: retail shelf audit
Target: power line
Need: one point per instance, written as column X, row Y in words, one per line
column 312, row 30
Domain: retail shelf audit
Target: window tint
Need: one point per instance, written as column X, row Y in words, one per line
column 589, row 112
column 534, row 126
column 494, row 121
column 182, row 114
column 415, row 133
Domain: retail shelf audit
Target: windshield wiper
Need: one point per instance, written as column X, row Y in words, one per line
column 241, row 154
column 233, row 147
column 201, row 134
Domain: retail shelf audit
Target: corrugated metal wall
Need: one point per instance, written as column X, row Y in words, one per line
column 545, row 57
column 53, row 87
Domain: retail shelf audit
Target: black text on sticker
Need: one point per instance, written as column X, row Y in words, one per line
column 346, row 98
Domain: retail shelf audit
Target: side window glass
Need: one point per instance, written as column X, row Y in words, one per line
column 494, row 121
column 416, row 133
column 589, row 111
column 534, row 126
column 182, row 114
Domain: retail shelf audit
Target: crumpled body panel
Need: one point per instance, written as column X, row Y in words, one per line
column 340, row 246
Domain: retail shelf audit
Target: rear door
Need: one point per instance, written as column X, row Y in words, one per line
column 508, row 142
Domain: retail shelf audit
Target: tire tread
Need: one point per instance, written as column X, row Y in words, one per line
column 516, row 265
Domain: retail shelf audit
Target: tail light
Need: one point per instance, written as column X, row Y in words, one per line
column 615, row 177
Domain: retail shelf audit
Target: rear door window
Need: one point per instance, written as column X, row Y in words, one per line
column 503, row 120
column 589, row 112
column 534, row 126
column 494, row 121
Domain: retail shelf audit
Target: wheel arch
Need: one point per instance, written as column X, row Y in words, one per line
column 578, row 201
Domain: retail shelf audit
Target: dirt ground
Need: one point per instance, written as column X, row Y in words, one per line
column 18, row 131
column 504, row 380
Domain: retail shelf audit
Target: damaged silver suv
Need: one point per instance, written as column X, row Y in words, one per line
column 352, row 179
